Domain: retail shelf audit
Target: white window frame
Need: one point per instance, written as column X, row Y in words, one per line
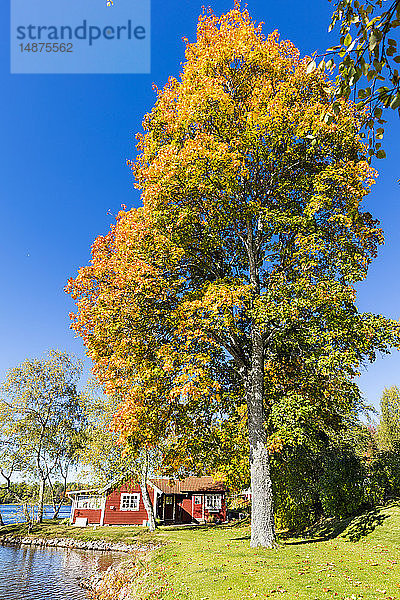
column 213, row 502
column 130, row 506
column 88, row 502
column 198, row 500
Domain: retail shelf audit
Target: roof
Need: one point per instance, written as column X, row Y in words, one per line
column 111, row 485
column 179, row 486
column 72, row 492
column 190, row 484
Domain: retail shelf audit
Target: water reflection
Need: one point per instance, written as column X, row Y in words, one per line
column 30, row 573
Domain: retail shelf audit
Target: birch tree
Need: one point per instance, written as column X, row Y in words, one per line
column 41, row 408
column 12, row 461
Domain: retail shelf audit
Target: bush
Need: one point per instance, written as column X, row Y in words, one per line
column 294, row 478
column 341, row 483
column 383, row 477
column 339, row 479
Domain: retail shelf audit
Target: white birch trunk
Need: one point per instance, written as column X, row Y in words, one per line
column 148, row 506
column 146, row 496
column 29, row 516
column 39, row 517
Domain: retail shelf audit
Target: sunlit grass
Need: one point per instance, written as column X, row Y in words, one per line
column 219, row 564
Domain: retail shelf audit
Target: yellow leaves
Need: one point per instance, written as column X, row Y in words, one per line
column 221, row 296
column 216, row 307
column 233, row 33
column 275, row 444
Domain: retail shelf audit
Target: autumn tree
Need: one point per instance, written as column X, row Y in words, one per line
column 101, row 458
column 41, row 412
column 71, row 438
column 229, row 295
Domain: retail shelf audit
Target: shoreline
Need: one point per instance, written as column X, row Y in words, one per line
column 73, row 544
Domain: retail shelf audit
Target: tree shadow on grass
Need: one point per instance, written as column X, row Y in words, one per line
column 364, row 524
column 352, row 528
column 186, row 527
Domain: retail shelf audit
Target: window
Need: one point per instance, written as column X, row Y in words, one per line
column 169, row 500
column 89, row 502
column 130, row 501
column 213, row 502
column 197, row 500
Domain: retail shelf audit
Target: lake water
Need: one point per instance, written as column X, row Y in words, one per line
column 12, row 513
column 29, row 573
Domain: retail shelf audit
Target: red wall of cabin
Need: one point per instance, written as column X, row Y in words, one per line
column 93, row 516
column 186, row 510
column 115, row 516
column 197, row 509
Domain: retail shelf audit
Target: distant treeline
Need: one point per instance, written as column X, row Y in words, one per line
column 24, row 492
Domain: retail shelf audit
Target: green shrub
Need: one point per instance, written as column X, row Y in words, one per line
column 341, row 483
column 296, row 499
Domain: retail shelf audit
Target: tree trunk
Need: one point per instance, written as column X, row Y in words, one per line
column 39, row 517
column 1, row 520
column 146, row 496
column 56, row 505
column 148, row 505
column 262, row 510
column 29, row 516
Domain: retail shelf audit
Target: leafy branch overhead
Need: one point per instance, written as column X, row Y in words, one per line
column 367, row 58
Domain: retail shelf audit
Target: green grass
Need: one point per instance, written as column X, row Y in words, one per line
column 218, row 564
column 357, row 559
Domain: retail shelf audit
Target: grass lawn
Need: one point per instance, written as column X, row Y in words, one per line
column 218, row 564
column 353, row 560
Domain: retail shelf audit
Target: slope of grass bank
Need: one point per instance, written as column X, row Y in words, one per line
column 354, row 560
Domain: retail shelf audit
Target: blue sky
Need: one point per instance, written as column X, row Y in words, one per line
column 64, row 144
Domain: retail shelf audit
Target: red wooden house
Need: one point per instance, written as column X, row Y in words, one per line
column 191, row 500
